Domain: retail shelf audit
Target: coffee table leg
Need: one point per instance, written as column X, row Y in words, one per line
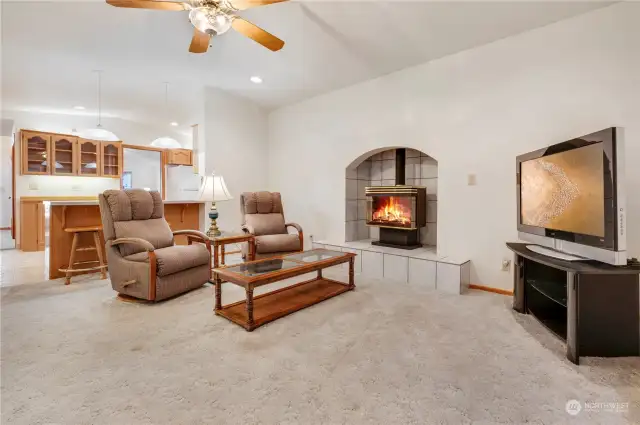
column 250, row 322
column 352, row 283
column 218, row 293
column 320, row 274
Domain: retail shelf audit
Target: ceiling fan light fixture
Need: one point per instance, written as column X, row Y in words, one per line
column 221, row 23
column 212, row 17
column 210, row 21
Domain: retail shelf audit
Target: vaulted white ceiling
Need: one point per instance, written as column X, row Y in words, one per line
column 50, row 48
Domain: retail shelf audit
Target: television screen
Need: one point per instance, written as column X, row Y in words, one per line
column 565, row 191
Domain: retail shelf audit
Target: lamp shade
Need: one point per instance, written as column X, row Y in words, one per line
column 214, row 189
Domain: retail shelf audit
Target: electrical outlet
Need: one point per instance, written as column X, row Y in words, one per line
column 75, row 187
column 33, row 186
column 506, row 265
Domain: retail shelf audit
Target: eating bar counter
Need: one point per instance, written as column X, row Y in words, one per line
column 69, row 214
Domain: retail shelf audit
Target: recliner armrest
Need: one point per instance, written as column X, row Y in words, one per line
column 294, row 225
column 135, row 241
column 192, row 233
column 196, row 235
column 300, row 234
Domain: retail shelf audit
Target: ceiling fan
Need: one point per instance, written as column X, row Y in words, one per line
column 212, row 17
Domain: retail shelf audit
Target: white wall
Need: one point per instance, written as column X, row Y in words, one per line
column 474, row 112
column 236, row 148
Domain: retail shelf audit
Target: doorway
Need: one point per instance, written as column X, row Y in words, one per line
column 7, row 175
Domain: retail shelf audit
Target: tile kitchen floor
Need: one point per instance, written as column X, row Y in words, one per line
column 19, row 267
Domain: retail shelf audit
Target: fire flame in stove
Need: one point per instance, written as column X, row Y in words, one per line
column 392, row 211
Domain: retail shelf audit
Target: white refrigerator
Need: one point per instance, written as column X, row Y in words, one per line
column 183, row 183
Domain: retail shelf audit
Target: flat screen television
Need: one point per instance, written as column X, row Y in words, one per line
column 571, row 196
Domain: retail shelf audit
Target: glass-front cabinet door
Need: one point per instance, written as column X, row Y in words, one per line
column 111, row 159
column 63, row 155
column 35, row 153
column 88, row 158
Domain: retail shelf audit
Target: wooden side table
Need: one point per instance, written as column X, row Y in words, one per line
column 219, row 243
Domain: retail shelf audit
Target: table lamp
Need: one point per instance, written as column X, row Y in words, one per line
column 214, row 189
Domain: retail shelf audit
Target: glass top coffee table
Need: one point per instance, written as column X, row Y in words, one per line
column 256, row 311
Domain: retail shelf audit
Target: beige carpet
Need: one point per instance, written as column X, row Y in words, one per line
column 383, row 354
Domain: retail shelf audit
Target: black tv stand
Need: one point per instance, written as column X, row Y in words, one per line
column 592, row 306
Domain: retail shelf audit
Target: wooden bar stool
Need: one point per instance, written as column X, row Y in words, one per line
column 95, row 231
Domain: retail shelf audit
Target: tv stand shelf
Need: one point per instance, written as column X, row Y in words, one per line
column 592, row 306
column 550, row 289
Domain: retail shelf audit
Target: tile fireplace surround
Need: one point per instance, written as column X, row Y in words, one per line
column 379, row 170
column 421, row 266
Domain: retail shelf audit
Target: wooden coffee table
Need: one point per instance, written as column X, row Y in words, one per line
column 256, row 311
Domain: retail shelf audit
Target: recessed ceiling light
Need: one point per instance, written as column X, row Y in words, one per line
column 79, row 108
column 256, row 80
column 173, row 123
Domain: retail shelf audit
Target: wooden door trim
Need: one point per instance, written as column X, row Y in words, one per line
column 163, row 172
column 163, row 163
column 143, row 148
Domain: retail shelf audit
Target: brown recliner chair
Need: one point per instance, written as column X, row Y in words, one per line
column 263, row 217
column 143, row 260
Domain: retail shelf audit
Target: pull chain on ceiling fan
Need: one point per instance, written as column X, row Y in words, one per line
column 212, row 17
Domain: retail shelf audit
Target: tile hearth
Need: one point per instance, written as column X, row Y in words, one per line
column 420, row 266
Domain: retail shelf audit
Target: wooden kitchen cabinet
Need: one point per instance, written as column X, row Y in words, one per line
column 64, row 155
column 180, row 157
column 111, row 153
column 32, row 226
column 35, row 152
column 88, row 158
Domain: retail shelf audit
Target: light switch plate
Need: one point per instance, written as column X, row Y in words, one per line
column 471, row 180
column 75, row 187
column 33, row 186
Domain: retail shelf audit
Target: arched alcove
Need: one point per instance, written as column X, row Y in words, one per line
column 378, row 168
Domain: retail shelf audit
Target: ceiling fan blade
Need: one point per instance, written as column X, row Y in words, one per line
column 247, row 4
column 149, row 4
column 199, row 42
column 257, row 34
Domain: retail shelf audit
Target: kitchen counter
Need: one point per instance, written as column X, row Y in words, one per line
column 181, row 215
column 95, row 202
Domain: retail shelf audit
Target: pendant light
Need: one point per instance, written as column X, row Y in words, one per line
column 166, row 142
column 99, row 133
